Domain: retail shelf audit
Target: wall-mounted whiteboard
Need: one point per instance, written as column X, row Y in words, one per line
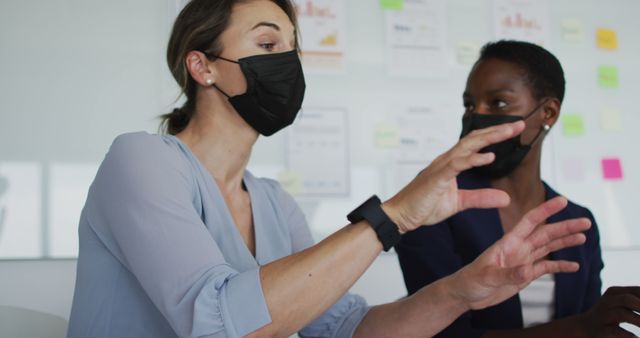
column 75, row 74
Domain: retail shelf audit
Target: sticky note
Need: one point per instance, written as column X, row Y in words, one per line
column 467, row 53
column 611, row 168
column 291, row 181
column 387, row 135
column 611, row 120
column 572, row 30
column 608, row 77
column 394, row 5
column 572, row 125
column 606, row 39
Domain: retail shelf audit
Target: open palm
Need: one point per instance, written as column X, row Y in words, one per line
column 434, row 195
column 519, row 257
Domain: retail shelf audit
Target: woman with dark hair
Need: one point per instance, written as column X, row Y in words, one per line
column 178, row 239
column 515, row 81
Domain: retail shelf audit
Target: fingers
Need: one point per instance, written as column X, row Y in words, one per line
column 617, row 290
column 544, row 267
column 460, row 164
column 479, row 139
column 538, row 215
column 618, row 332
column 543, row 235
column 626, row 316
column 558, row 244
column 464, row 155
column 482, row 198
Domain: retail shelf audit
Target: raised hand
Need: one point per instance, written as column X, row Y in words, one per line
column 519, row 257
column 617, row 305
column 434, row 195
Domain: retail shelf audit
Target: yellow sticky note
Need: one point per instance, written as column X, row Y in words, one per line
column 611, row 120
column 387, row 135
column 606, row 39
column 572, row 30
column 395, row 5
column 608, row 77
column 291, row 181
column 572, row 125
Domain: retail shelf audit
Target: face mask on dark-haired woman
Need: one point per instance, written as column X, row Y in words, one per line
column 275, row 90
column 509, row 153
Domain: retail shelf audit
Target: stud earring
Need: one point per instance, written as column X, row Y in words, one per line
column 209, row 82
column 546, row 127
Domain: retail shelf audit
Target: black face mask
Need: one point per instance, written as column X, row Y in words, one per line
column 509, row 153
column 275, row 90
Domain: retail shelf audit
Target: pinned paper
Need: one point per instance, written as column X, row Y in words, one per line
column 291, row 181
column 608, row 77
column 611, row 120
column 606, row 39
column 467, row 53
column 572, row 30
column 611, row 168
column 573, row 125
column 394, row 5
column 387, row 135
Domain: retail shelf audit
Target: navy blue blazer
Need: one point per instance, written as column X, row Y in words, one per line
column 432, row 252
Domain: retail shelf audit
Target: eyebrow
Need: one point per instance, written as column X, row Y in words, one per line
column 276, row 27
column 495, row 91
column 266, row 24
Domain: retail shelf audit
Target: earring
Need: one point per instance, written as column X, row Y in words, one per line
column 546, row 127
column 209, row 82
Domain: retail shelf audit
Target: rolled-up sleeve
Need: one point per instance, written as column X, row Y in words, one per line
column 142, row 208
column 343, row 317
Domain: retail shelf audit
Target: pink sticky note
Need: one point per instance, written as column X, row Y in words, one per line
column 611, row 168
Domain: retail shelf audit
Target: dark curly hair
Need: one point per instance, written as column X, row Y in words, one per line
column 543, row 70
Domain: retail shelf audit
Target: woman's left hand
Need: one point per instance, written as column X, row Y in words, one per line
column 518, row 258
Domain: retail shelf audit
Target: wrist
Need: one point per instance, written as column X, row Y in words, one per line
column 373, row 212
column 452, row 286
column 395, row 215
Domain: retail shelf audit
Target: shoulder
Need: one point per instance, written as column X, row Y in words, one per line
column 142, row 159
column 145, row 149
column 142, row 145
column 573, row 209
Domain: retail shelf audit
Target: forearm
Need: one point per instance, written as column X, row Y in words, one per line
column 423, row 314
column 566, row 327
column 300, row 287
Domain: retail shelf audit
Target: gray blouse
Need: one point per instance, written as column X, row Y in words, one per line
column 160, row 255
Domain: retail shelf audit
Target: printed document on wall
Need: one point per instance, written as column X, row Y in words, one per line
column 318, row 161
column 323, row 28
column 527, row 20
column 416, row 40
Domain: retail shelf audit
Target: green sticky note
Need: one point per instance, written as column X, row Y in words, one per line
column 395, row 5
column 572, row 125
column 608, row 76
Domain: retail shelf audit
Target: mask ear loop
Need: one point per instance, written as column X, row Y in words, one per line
column 545, row 128
column 216, row 57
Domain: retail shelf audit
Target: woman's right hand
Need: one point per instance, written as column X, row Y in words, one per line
column 617, row 305
column 434, row 195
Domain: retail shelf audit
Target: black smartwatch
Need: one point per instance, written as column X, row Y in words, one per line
column 371, row 210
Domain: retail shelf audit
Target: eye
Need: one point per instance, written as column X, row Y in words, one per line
column 500, row 104
column 268, row 46
column 469, row 107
